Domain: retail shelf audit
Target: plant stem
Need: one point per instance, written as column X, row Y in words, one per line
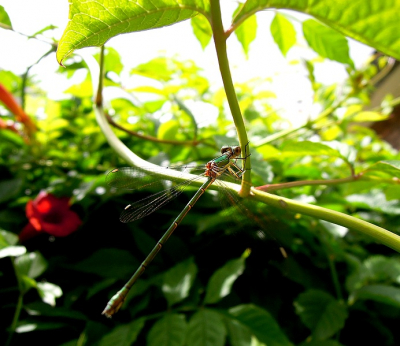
column 220, row 46
column 18, row 308
column 274, row 187
column 381, row 235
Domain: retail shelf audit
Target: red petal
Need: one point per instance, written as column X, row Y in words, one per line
column 28, row 232
column 69, row 224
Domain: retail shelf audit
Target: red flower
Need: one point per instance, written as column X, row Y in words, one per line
column 50, row 214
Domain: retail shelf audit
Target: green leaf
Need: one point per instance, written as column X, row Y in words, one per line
column 4, row 18
column 158, row 68
column 24, row 327
column 321, row 343
column 327, row 42
column 7, row 238
column 48, row 292
column 38, row 308
column 261, row 324
column 9, row 189
column 94, row 22
column 308, row 148
column 221, row 281
column 283, row 32
column 374, row 200
column 31, row 264
column 374, row 23
column 112, row 60
column 369, row 116
column 109, row 263
column 170, row 330
column 375, row 269
column 168, row 130
column 247, row 31
column 239, row 334
column 178, row 280
column 202, row 30
column 379, row 293
column 206, row 328
column 27, row 282
column 12, row 137
column 391, row 167
column 123, row 335
column 41, row 31
column 12, row 251
column 321, row 312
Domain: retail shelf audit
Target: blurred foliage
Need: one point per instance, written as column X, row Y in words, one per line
column 221, row 279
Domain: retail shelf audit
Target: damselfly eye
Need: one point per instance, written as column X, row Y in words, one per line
column 238, row 150
column 224, row 149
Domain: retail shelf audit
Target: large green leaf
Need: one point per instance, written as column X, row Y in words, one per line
column 261, row 324
column 327, row 42
column 123, row 335
column 379, row 293
column 321, row 312
column 221, row 281
column 375, row 23
column 206, row 329
column 178, row 280
column 283, row 32
column 168, row 331
column 94, row 22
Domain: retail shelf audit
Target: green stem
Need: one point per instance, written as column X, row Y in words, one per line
column 379, row 234
column 99, row 94
column 220, row 46
column 335, row 278
column 16, row 318
column 18, row 308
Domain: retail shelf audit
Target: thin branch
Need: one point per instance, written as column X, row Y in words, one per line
column 7, row 27
column 151, row 138
column 275, row 187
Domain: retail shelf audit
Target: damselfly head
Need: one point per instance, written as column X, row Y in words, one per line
column 232, row 150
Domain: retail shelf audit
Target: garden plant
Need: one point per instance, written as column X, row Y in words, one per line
column 312, row 259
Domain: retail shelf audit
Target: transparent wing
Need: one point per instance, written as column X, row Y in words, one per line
column 132, row 178
column 154, row 202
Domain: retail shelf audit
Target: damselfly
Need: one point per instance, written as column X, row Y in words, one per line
column 127, row 178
